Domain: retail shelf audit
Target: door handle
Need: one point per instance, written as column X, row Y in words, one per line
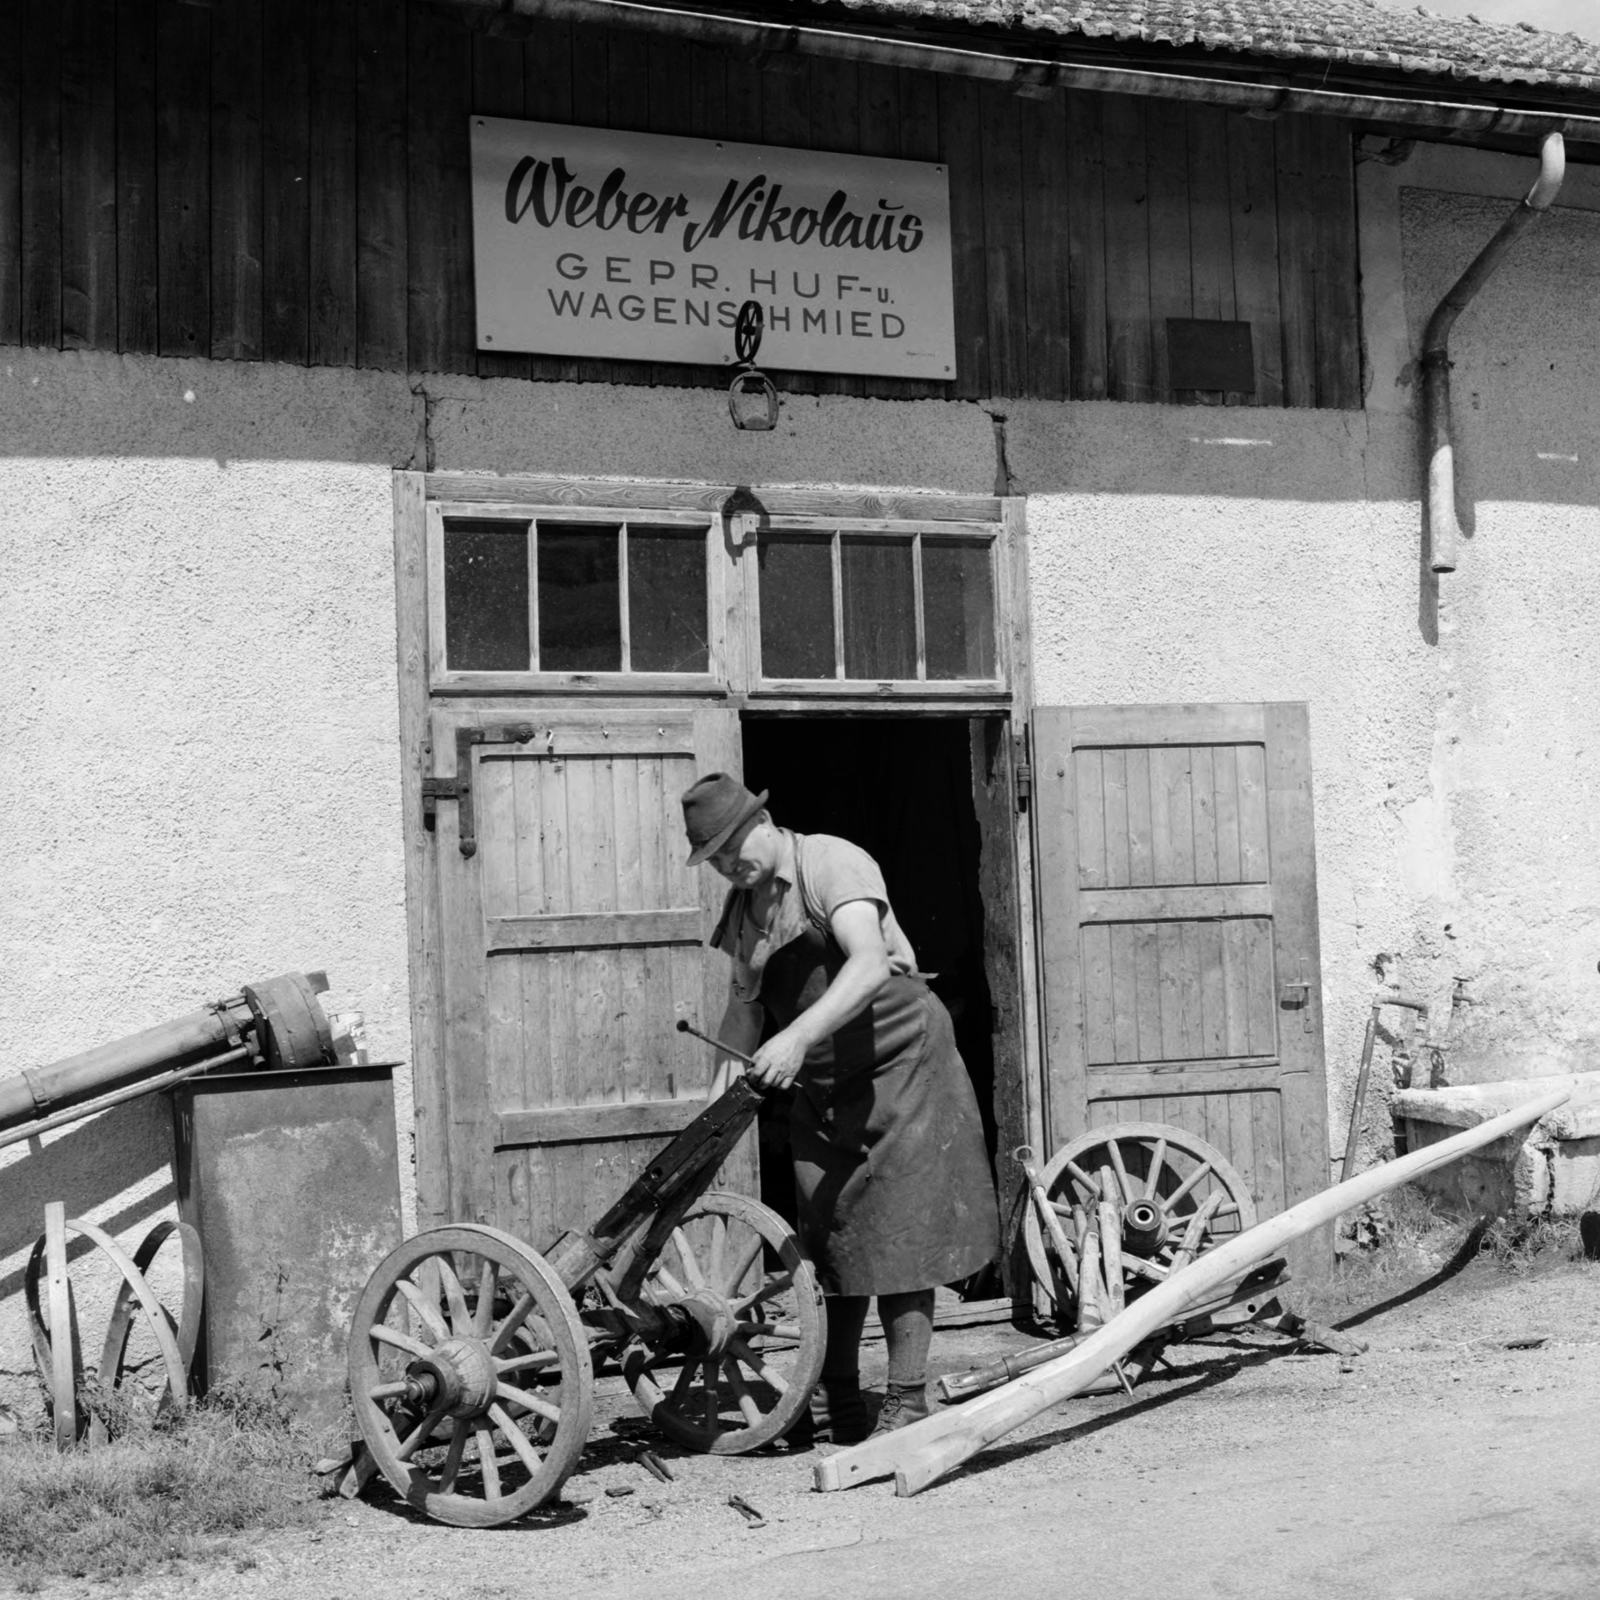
column 1294, row 994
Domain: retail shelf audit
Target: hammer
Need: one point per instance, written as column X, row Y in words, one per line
column 726, row 1049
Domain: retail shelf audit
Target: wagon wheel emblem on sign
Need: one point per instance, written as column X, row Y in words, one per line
column 747, row 332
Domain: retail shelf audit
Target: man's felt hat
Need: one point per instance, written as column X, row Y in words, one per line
column 714, row 809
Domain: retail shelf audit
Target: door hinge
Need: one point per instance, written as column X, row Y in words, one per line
column 1022, row 769
column 459, row 788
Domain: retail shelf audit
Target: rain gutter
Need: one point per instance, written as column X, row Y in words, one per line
column 1039, row 74
column 1444, row 528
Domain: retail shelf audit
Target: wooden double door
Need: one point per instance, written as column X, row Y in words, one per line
column 1174, row 884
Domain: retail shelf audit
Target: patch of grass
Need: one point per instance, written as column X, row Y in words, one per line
column 1521, row 1244
column 164, row 1491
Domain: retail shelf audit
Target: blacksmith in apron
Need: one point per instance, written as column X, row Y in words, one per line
column 894, row 1190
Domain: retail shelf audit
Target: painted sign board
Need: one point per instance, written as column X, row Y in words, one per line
column 640, row 247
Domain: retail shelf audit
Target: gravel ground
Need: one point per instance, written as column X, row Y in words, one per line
column 1439, row 1464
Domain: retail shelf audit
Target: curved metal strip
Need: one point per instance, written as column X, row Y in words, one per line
column 186, row 1330
column 155, row 1314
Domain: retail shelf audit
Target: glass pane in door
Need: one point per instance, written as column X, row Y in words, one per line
column 580, row 603
column 667, row 600
column 486, row 596
column 796, row 572
column 880, row 608
column 958, row 607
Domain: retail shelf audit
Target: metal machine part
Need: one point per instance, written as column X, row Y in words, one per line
column 279, row 1024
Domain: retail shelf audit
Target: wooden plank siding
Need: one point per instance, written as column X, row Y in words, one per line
column 287, row 181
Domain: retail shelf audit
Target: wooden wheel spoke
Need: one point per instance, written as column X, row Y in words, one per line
column 515, row 1317
column 452, row 1457
column 387, row 1391
column 776, row 1284
column 455, row 1296
column 517, row 1439
column 538, row 1361
column 528, row 1401
column 1090, row 1186
column 788, row 1331
column 1124, row 1182
column 427, row 1311
column 752, row 1359
column 674, row 1288
column 483, row 1317
column 414, row 1440
column 688, row 1260
column 1157, row 1160
column 713, row 1395
column 384, row 1334
column 747, row 1259
column 486, row 1461
column 719, row 1242
column 1188, row 1183
column 746, row 1401
column 680, row 1389
column 1062, row 1208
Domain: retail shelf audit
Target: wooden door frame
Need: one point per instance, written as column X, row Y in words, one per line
column 414, row 491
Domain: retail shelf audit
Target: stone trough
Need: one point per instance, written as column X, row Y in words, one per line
column 1552, row 1170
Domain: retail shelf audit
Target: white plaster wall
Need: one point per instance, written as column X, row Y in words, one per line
column 201, row 774
column 1515, row 902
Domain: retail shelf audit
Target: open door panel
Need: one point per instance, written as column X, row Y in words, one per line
column 1178, row 916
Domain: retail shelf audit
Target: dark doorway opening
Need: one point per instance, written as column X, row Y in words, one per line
column 902, row 789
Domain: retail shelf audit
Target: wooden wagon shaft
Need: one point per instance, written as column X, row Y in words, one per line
column 924, row 1452
column 673, row 1181
column 1236, row 1302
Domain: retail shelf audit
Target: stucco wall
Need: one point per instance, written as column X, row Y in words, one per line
column 201, row 781
column 197, row 653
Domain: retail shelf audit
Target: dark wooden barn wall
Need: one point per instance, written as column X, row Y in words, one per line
column 287, row 180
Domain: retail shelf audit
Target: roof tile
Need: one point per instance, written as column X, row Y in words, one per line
column 1357, row 32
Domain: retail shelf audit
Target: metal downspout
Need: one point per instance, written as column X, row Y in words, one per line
column 1042, row 73
column 1444, row 530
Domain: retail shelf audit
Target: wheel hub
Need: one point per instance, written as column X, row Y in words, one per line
column 458, row 1372
column 710, row 1322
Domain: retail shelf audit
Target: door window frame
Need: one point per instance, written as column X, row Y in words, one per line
column 734, row 518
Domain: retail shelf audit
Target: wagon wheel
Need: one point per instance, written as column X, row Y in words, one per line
column 757, row 1329
column 470, row 1375
column 1163, row 1182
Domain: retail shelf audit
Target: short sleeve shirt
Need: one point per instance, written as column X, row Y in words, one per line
column 818, row 874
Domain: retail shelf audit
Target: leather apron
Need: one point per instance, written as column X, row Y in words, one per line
column 894, row 1187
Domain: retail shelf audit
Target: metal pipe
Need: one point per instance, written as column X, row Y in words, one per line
column 32, row 1093
column 1041, row 73
column 280, row 1019
column 133, row 1092
column 1444, row 528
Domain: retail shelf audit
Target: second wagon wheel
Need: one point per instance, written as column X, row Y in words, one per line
column 1161, row 1179
column 470, row 1375
column 755, row 1324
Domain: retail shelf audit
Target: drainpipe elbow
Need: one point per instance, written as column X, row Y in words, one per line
column 1552, row 170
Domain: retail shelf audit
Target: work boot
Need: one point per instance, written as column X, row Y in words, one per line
column 837, row 1415
column 904, row 1404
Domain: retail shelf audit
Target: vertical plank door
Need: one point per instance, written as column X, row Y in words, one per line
column 1178, row 915
column 573, row 939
